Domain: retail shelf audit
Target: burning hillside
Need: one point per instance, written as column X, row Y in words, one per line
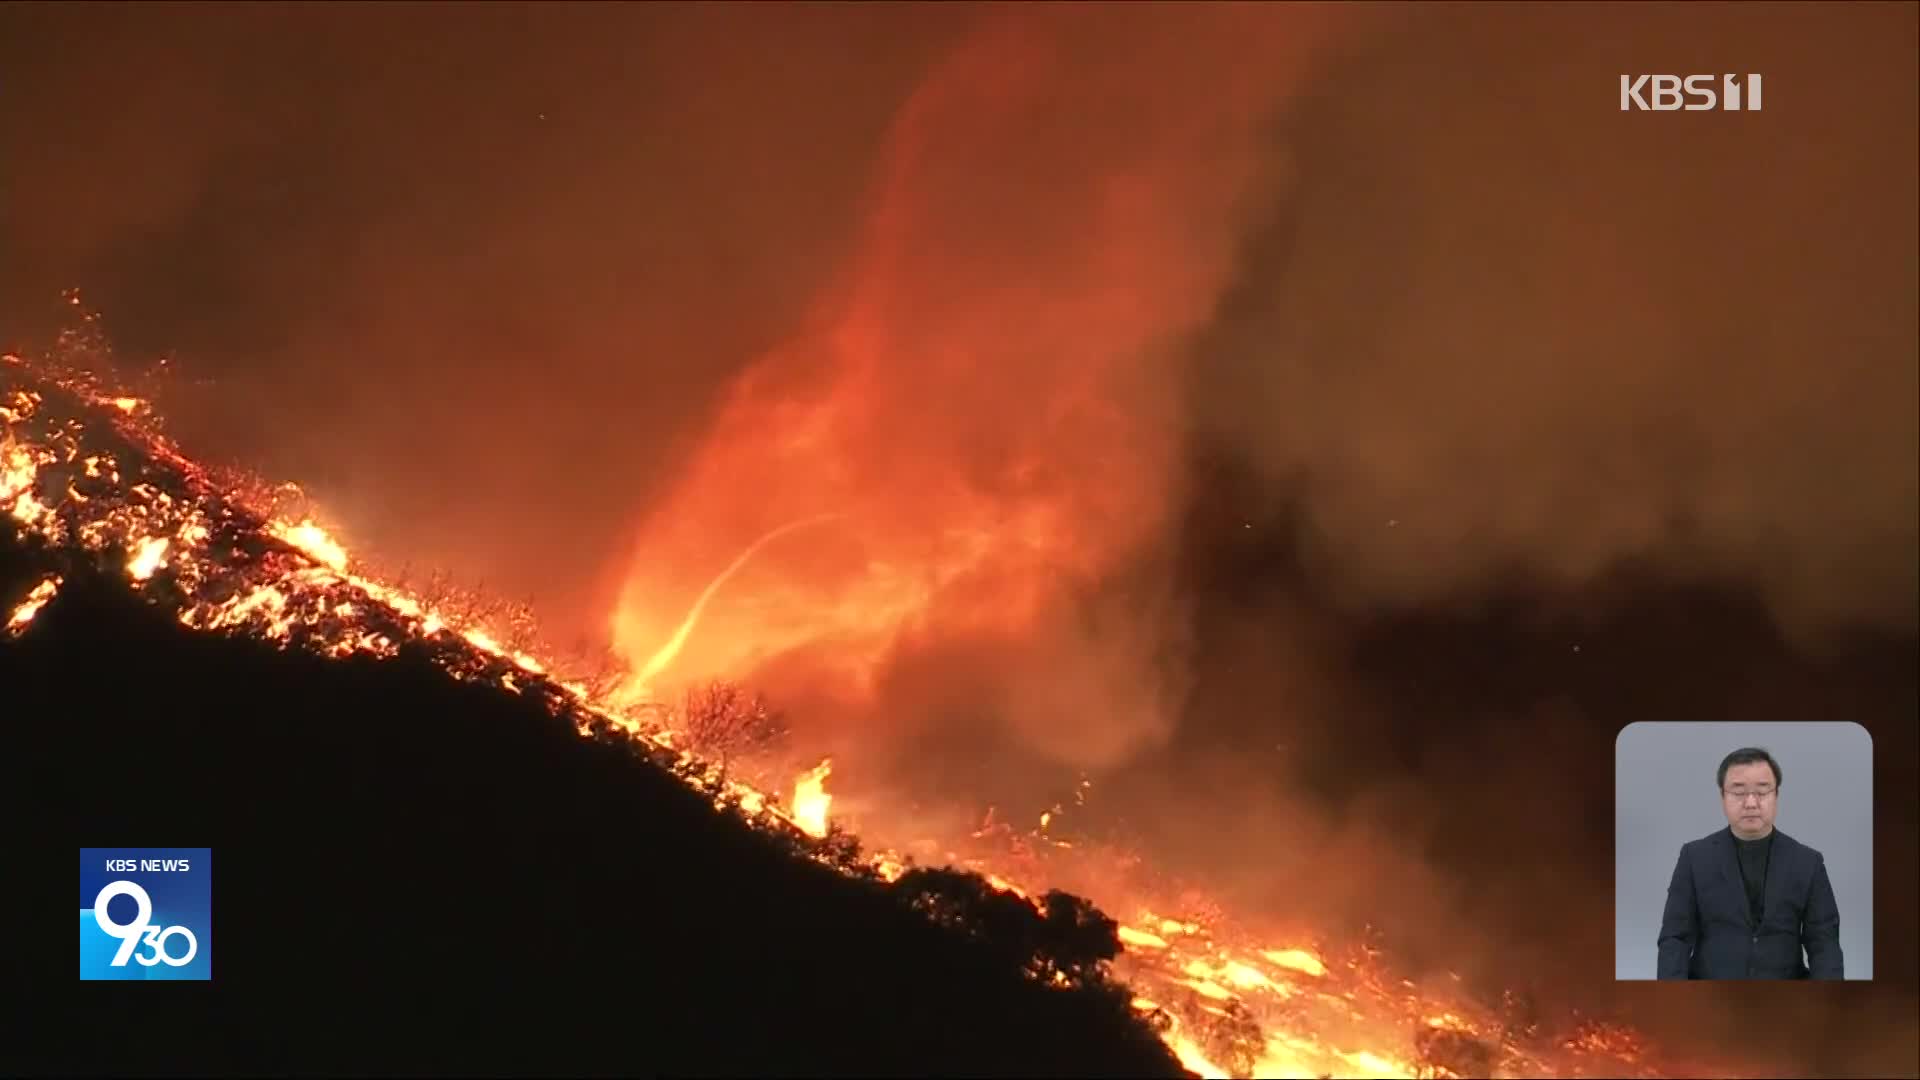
column 89, row 480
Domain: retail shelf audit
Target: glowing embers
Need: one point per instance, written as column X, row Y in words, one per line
column 146, row 556
column 19, row 469
column 264, row 604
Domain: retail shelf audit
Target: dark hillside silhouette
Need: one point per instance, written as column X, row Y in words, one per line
column 415, row 874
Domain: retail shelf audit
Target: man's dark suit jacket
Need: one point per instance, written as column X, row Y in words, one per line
column 1708, row 930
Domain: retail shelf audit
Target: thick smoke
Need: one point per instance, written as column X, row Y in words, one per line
column 1501, row 327
column 1501, row 359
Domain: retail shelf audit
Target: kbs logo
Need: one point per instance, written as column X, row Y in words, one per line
column 1694, row 93
column 146, row 913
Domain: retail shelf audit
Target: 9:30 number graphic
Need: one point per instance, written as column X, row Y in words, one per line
column 140, row 931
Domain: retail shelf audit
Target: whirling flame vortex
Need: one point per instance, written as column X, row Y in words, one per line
column 667, row 653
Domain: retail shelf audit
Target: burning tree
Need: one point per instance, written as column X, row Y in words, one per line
column 720, row 722
column 1231, row 1038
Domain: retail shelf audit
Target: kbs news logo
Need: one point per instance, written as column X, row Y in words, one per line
column 1668, row 93
column 146, row 913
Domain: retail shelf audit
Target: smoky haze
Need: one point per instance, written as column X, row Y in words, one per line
column 1500, row 325
column 1533, row 330
column 474, row 277
column 1195, row 390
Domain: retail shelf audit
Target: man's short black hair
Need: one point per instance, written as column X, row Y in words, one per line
column 1747, row 755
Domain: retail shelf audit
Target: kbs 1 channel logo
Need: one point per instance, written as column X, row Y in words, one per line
column 146, row 913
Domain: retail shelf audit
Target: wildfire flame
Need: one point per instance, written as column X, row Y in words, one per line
column 313, row 540
column 810, row 799
column 82, row 473
column 37, row 598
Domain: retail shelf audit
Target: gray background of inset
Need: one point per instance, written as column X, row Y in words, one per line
column 1664, row 796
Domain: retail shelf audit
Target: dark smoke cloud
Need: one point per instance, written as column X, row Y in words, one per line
column 1542, row 418
column 1500, row 326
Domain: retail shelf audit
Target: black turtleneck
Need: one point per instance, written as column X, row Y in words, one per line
column 1753, row 870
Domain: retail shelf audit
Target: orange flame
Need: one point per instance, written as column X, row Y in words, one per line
column 810, row 799
column 147, row 557
column 36, row 599
column 315, row 541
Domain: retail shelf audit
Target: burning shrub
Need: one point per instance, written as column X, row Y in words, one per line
column 1231, row 1038
column 1064, row 940
column 1445, row 1052
column 842, row 849
column 602, row 672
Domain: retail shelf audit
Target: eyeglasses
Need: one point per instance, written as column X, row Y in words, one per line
column 1741, row 795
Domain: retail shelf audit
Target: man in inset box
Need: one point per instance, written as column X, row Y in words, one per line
column 1748, row 899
